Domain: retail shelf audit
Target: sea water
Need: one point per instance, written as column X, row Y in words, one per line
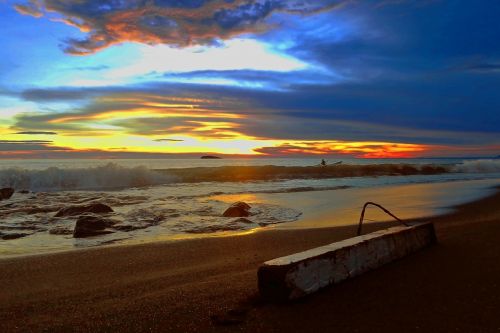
column 147, row 196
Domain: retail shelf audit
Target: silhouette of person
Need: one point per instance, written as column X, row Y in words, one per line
column 323, row 163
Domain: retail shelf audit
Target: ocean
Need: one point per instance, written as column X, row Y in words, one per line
column 172, row 199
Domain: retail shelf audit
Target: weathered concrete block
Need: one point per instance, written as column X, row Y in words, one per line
column 303, row 273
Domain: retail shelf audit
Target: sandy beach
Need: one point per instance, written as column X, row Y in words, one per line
column 210, row 284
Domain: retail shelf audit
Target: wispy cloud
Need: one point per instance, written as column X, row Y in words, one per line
column 36, row 133
column 91, row 68
column 168, row 140
column 486, row 68
column 25, row 141
column 143, row 112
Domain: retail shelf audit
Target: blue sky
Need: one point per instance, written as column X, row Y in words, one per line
column 388, row 78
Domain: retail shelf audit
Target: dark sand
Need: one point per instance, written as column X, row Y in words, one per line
column 182, row 286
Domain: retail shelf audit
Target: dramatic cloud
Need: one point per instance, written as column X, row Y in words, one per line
column 140, row 113
column 384, row 75
column 172, row 22
column 353, row 112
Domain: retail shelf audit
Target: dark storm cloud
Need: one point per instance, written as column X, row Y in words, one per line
column 396, row 60
column 178, row 23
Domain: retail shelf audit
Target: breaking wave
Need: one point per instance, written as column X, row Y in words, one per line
column 113, row 176
column 109, row 176
column 478, row 166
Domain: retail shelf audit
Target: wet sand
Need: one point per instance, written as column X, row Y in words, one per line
column 206, row 284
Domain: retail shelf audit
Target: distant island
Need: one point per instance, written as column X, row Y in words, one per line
column 210, row 157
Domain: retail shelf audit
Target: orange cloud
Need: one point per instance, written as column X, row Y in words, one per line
column 165, row 22
column 356, row 149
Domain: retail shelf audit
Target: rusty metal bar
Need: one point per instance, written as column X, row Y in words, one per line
column 361, row 218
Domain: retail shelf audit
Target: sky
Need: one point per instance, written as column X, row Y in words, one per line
column 159, row 78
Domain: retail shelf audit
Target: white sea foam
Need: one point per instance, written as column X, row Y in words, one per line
column 109, row 176
column 115, row 176
column 478, row 166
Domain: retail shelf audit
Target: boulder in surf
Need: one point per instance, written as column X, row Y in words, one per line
column 238, row 209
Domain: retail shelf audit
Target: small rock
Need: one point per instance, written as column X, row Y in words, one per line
column 24, row 192
column 6, row 193
column 92, row 225
column 95, row 208
column 238, row 209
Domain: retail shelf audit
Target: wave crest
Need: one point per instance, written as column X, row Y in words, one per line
column 478, row 166
column 109, row 176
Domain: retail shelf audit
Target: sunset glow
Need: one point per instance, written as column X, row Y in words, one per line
column 230, row 78
column 209, row 165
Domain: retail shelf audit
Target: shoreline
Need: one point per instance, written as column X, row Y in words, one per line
column 181, row 286
column 318, row 209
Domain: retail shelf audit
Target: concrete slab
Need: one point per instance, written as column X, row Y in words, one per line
column 303, row 273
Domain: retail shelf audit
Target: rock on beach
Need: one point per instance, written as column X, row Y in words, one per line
column 92, row 225
column 237, row 209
